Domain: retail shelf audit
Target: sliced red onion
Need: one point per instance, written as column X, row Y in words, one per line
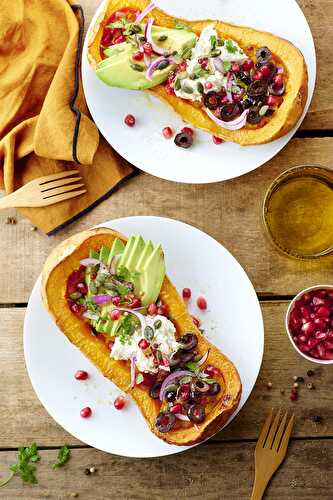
column 171, row 377
column 138, row 315
column 203, row 359
column 182, row 417
column 218, row 64
column 147, row 60
column 149, row 37
column 90, row 315
column 196, row 427
column 236, row 124
column 133, row 361
column 153, row 66
column 90, row 262
column 280, row 70
column 114, row 263
column 228, row 89
column 101, row 299
column 145, row 11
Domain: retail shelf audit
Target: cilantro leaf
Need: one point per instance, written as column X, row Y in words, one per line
column 124, row 274
column 192, row 366
column 226, row 65
column 198, row 71
column 213, row 42
column 23, row 467
column 179, row 25
column 125, row 329
column 230, row 46
column 63, row 456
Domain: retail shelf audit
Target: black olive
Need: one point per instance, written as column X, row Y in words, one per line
column 230, row 111
column 188, row 341
column 212, row 100
column 196, row 413
column 201, row 386
column 248, row 102
column 258, row 88
column 195, row 396
column 275, row 90
column 264, row 55
column 155, row 390
column 244, row 78
column 176, row 359
column 253, row 116
column 270, row 112
column 183, row 140
column 214, row 389
column 165, row 421
column 186, row 356
column 170, row 396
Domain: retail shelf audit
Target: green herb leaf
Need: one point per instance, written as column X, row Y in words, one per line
column 209, row 380
column 213, row 42
column 23, row 467
column 226, row 65
column 125, row 329
column 179, row 25
column 63, row 456
column 198, row 71
column 192, row 366
column 231, row 48
column 124, row 274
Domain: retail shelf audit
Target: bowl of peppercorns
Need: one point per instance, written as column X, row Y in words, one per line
column 309, row 323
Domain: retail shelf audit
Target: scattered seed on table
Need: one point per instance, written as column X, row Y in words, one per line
column 282, row 391
column 33, row 228
column 296, row 385
column 310, row 385
column 87, row 471
column 295, row 377
column 93, row 469
column 310, row 373
column 300, row 379
column 269, row 385
column 11, row 220
column 74, row 495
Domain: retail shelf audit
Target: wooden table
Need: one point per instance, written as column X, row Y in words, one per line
column 222, row 467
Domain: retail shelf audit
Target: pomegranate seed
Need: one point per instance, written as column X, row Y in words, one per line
column 144, row 344
column 328, row 356
column 115, row 315
column 212, row 371
column 182, row 66
column 75, row 308
column 278, row 80
column 237, row 97
column 328, row 344
column 185, row 392
column 119, row 403
column 307, row 298
column 202, row 303
column 321, row 350
column 129, row 120
column 82, row 288
column 304, row 347
column 165, row 362
column 258, row 76
column 81, row 375
column 312, row 343
column 176, row 408
column 186, row 293
column 302, row 338
column 137, row 56
column 323, row 312
column 187, row 130
column 162, row 310
column 167, row 132
column 135, row 303
column 196, row 321
column 320, row 335
column 152, row 309
column 148, row 379
column 266, row 71
column 217, row 140
column 320, row 323
column 116, row 301
column 248, row 65
column 86, row 412
column 308, row 327
column 305, row 311
column 273, row 100
column 147, row 48
column 119, row 39
column 110, row 345
column 169, row 89
column 235, row 68
column 208, row 85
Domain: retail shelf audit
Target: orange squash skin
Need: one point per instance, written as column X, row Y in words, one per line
column 64, row 259
column 292, row 60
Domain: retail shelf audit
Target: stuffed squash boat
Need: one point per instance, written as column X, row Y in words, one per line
column 238, row 83
column 111, row 298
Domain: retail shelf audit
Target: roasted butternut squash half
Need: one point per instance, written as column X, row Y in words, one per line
column 111, row 298
column 237, row 83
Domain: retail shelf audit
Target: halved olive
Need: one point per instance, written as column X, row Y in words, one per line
column 229, row 112
column 176, row 359
column 165, row 421
column 188, row 341
column 275, row 90
column 170, row 396
column 258, row 88
column 214, row 389
column 253, row 116
column 187, row 356
column 183, row 140
column 243, row 77
column 196, row 413
column 212, row 100
column 201, row 386
column 155, row 390
column 195, row 396
column 264, row 55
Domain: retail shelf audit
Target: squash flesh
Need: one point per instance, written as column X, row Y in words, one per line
column 59, row 265
column 284, row 118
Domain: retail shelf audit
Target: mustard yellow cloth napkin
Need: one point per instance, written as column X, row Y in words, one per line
column 44, row 125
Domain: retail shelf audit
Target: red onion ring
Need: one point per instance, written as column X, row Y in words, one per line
column 236, row 124
column 145, row 11
column 203, row 359
column 101, row 299
column 90, row 262
column 171, row 377
column 158, row 50
column 182, row 417
column 90, row 315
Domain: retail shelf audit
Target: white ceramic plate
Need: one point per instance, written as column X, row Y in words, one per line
column 144, row 145
column 233, row 322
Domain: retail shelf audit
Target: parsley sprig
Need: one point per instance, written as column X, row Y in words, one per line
column 64, row 455
column 26, row 456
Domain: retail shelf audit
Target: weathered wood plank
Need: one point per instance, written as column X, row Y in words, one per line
column 230, row 212
column 23, row 419
column 210, row 471
column 319, row 14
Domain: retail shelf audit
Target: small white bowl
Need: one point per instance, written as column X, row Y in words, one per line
column 290, row 308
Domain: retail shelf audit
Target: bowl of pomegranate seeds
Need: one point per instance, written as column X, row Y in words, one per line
column 309, row 323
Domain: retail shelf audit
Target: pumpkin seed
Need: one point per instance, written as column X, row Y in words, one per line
column 148, row 333
column 193, row 77
column 92, row 287
column 162, row 38
column 137, row 67
column 263, row 110
column 136, row 28
column 157, row 324
column 200, row 87
column 177, row 84
column 163, row 65
column 187, row 89
column 75, row 295
column 182, row 75
column 215, row 53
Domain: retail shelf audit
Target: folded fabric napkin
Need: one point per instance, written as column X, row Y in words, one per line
column 44, row 123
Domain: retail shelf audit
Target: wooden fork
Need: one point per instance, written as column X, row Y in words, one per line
column 270, row 451
column 46, row 190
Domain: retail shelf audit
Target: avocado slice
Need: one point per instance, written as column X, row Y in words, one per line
column 126, row 253
column 118, row 70
column 93, row 254
column 152, row 276
column 147, row 251
column 116, row 249
column 135, row 254
column 104, row 254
